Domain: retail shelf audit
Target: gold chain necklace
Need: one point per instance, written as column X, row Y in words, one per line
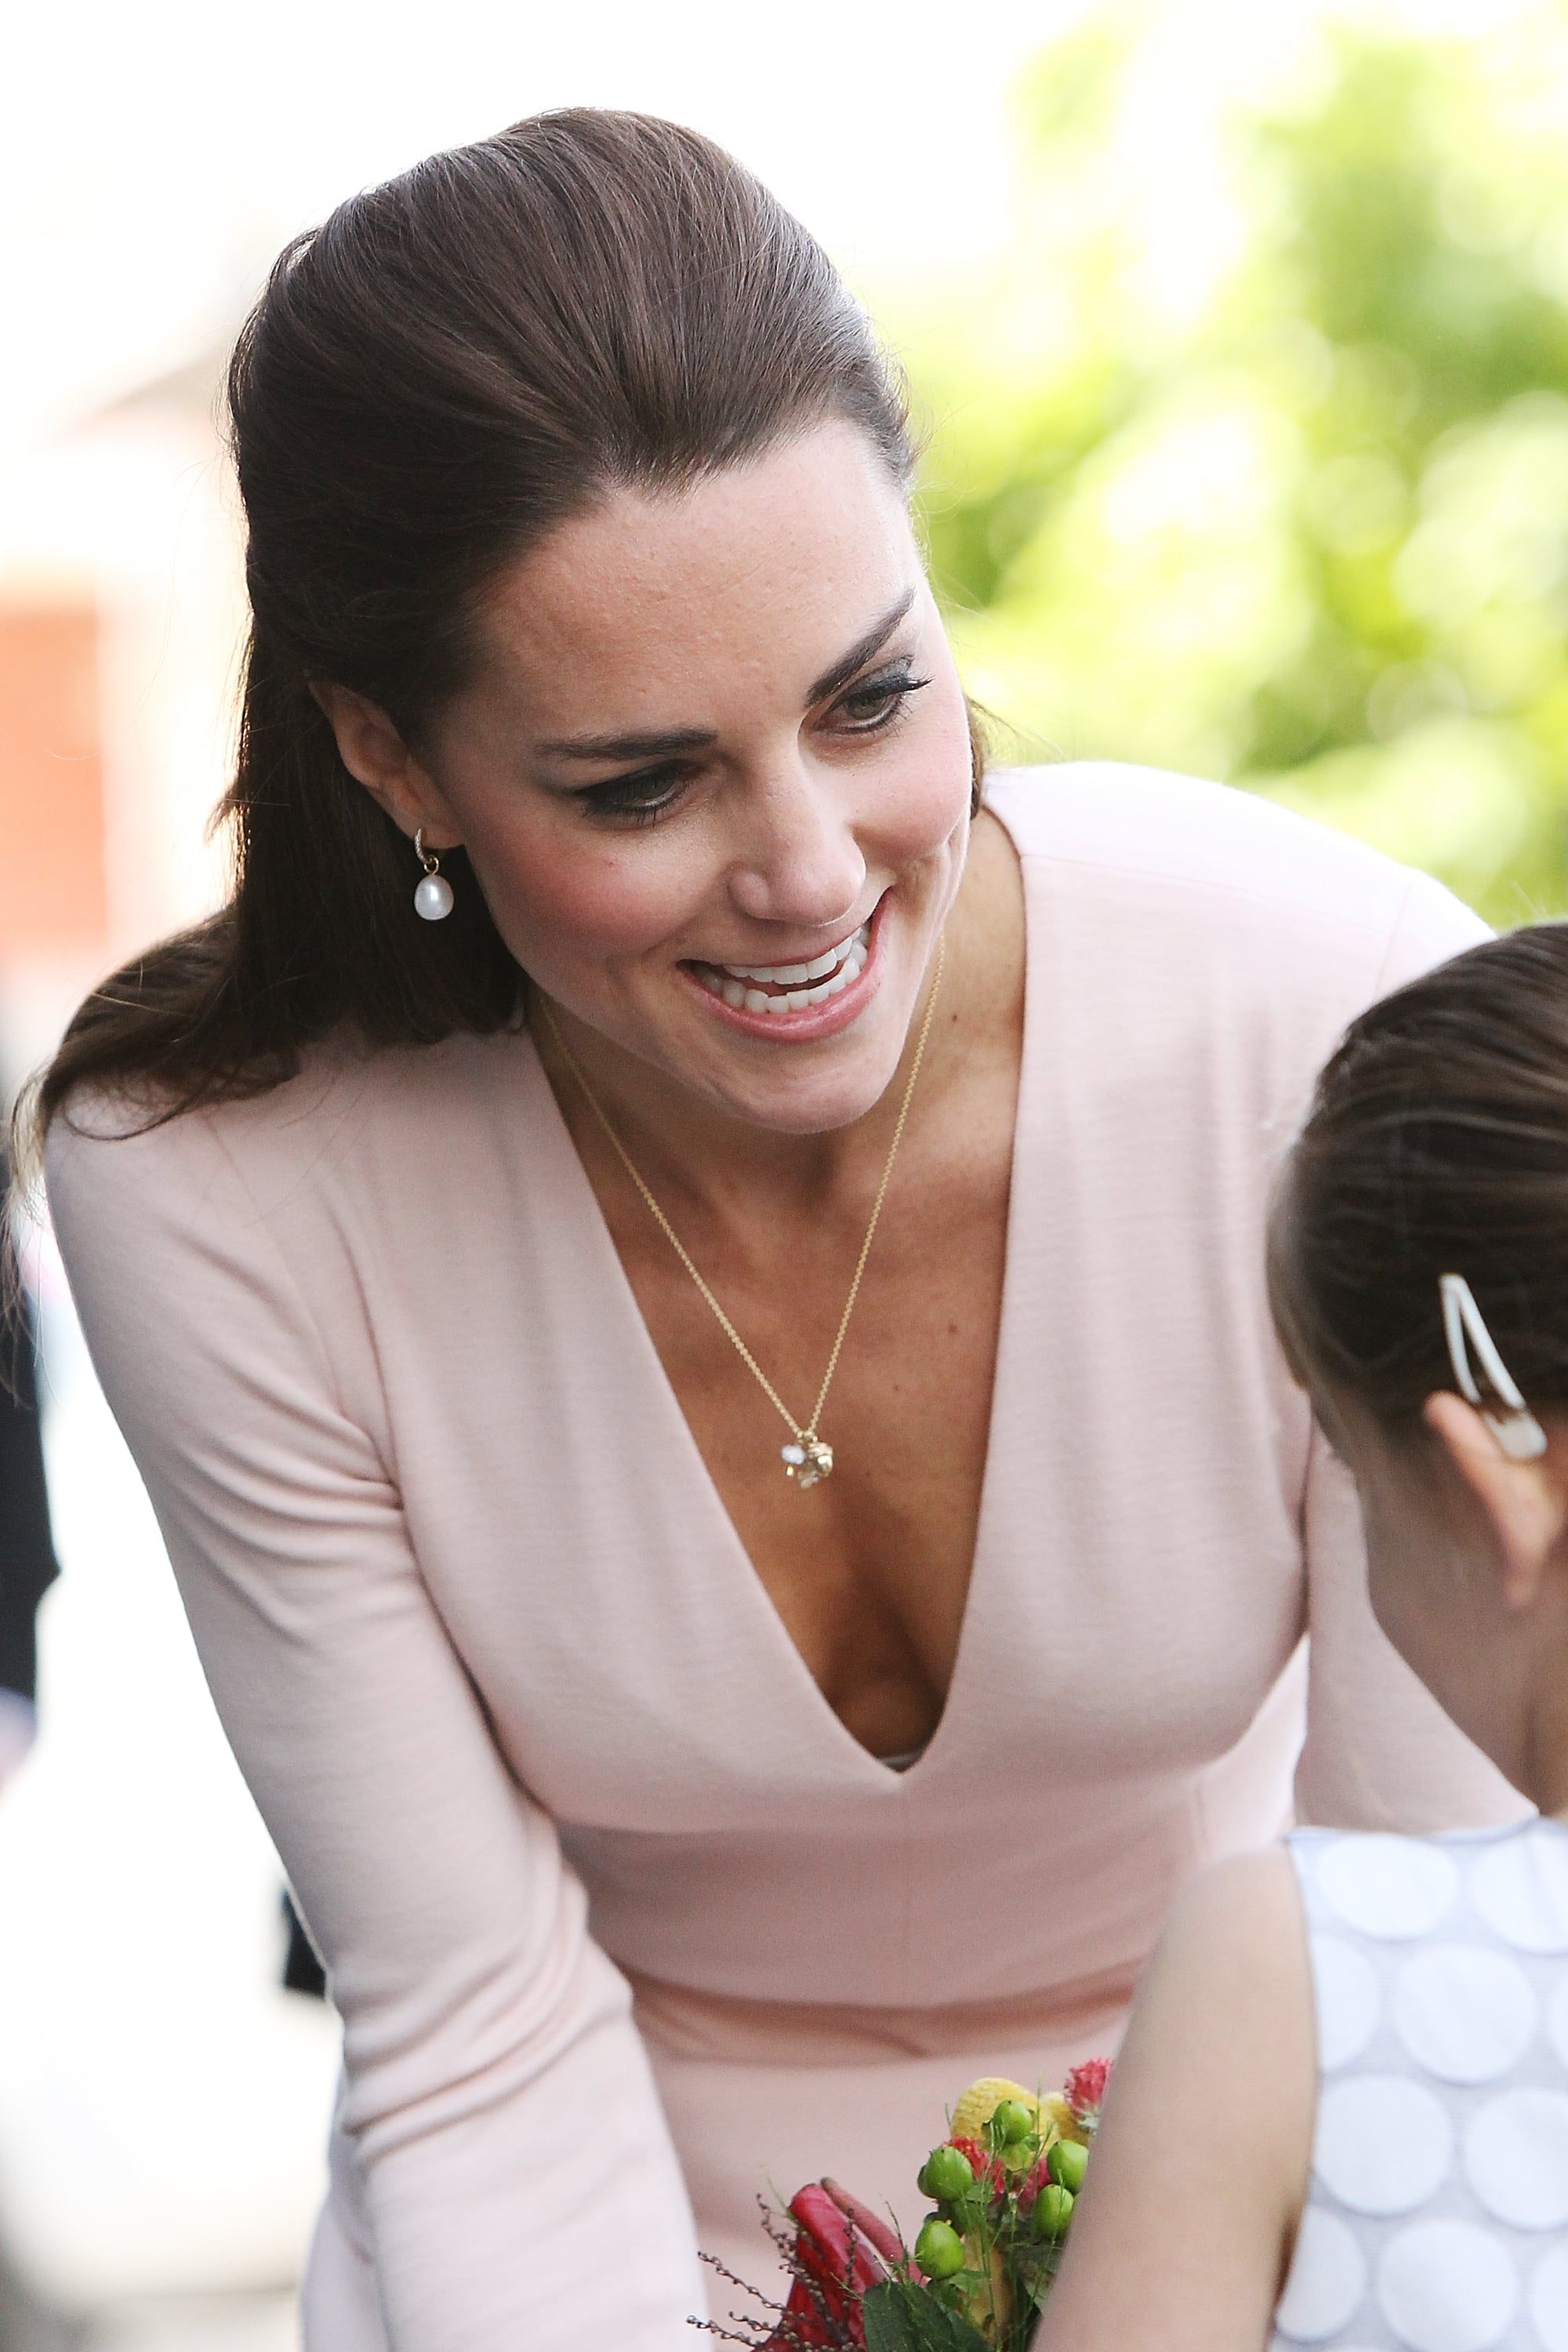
column 807, row 1458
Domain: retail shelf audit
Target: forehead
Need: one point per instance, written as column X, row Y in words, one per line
column 782, row 560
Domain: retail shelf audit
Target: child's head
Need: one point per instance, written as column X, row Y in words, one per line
column 1437, row 1145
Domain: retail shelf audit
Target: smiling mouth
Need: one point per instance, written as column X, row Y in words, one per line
column 787, row 987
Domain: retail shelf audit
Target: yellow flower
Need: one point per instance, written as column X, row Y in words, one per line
column 1059, row 2121
column 980, row 2103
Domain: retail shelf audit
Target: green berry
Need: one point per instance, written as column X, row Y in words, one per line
column 1053, row 2210
column 1068, row 2162
column 939, row 2249
column 1011, row 2123
column 946, row 2175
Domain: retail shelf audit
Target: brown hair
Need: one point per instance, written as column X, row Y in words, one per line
column 447, row 368
column 1437, row 1143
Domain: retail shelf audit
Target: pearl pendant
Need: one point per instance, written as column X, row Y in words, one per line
column 807, row 1460
column 433, row 897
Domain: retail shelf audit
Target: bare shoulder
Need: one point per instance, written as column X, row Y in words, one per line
column 1224, row 2011
column 1244, row 1912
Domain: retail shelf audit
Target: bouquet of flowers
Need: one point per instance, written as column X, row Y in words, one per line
column 1003, row 2186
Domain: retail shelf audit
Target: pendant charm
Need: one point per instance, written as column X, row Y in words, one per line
column 807, row 1460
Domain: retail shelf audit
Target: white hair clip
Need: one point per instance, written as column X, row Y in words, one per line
column 1517, row 1431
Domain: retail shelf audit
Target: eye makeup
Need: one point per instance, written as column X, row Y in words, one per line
column 643, row 794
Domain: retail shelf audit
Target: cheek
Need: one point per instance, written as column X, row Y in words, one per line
column 581, row 900
column 923, row 793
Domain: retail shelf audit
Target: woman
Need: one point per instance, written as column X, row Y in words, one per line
column 676, row 1809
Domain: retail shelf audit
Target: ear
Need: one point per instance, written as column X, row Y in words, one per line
column 1523, row 1502
column 376, row 754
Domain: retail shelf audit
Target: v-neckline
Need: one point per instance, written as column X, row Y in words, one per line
column 677, row 1443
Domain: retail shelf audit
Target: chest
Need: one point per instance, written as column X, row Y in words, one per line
column 869, row 1568
column 1069, row 1465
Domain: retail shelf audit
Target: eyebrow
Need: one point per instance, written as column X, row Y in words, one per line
column 698, row 739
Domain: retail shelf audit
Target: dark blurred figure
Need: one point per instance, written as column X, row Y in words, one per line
column 302, row 1970
column 28, row 1566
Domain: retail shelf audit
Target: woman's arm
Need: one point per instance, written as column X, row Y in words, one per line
column 509, row 2158
column 1183, row 2236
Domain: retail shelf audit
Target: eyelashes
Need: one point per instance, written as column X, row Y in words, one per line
column 646, row 793
column 641, row 797
column 888, row 694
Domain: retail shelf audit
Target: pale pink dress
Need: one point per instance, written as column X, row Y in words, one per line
column 543, row 1764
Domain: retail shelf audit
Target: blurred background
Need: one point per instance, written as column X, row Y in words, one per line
column 1241, row 337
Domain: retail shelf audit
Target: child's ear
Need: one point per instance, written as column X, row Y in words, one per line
column 1524, row 1503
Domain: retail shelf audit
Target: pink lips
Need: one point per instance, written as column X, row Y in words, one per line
column 813, row 1021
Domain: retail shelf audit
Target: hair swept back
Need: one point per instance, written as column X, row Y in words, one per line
column 447, row 368
column 1437, row 1143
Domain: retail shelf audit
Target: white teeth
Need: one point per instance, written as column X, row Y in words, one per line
column 792, row 975
column 808, row 984
column 854, row 966
column 781, row 975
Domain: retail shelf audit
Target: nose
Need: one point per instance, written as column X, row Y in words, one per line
column 800, row 862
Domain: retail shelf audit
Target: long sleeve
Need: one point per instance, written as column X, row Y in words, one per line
column 1380, row 1752
column 518, row 2182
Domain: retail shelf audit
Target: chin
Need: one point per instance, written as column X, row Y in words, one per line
column 819, row 1105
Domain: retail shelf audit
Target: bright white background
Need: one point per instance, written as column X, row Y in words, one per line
column 152, row 157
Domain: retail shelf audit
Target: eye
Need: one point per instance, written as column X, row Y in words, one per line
column 878, row 701
column 639, row 798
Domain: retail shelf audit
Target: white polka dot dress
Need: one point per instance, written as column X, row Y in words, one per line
column 1438, row 2216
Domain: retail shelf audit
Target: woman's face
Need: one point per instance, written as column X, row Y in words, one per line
column 713, row 775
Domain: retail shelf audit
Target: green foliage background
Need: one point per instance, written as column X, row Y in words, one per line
column 1306, row 526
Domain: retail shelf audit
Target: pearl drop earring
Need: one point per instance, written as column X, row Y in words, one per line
column 432, row 892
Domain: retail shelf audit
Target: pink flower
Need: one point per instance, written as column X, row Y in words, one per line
column 1085, row 2091
column 1033, row 2181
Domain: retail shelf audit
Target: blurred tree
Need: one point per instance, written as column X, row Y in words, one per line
column 1253, row 457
